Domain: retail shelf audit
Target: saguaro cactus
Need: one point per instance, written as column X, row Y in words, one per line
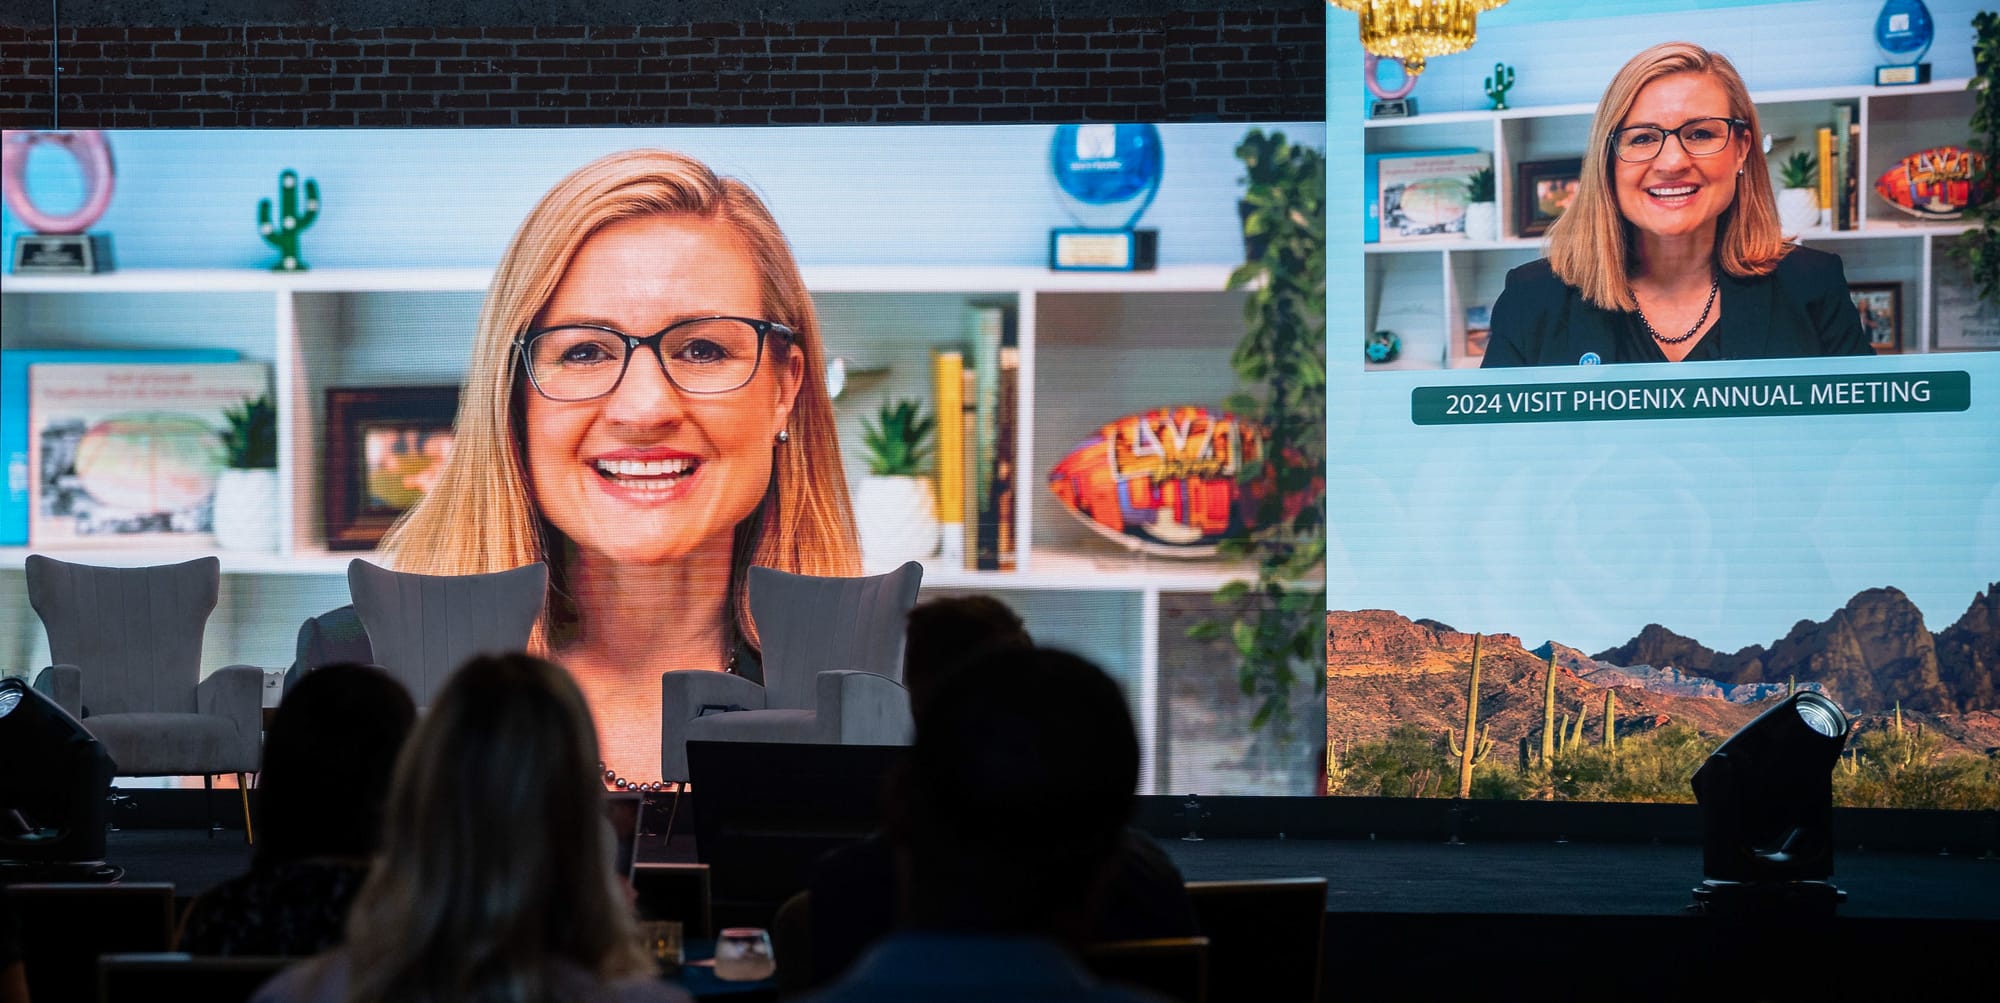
column 1610, row 721
column 283, row 232
column 1468, row 755
column 1549, row 709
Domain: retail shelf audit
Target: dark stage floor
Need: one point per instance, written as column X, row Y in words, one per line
column 1386, row 876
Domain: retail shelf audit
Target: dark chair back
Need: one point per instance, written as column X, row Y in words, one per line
column 143, row 978
column 764, row 812
column 1172, row 967
column 1264, row 937
column 66, row 927
column 677, row 892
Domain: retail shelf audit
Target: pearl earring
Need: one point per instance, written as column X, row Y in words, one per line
column 784, row 435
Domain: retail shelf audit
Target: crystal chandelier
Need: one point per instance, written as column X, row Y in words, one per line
column 1412, row 31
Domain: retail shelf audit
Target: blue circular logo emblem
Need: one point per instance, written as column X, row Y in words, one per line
column 1103, row 164
column 1590, row 359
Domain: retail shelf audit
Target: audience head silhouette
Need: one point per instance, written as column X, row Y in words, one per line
column 328, row 757
column 1016, row 740
column 495, row 878
column 943, row 633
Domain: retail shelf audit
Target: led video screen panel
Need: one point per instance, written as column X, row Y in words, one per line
column 473, row 367
column 1657, row 483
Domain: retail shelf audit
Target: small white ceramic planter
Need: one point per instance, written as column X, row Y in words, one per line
column 246, row 510
column 897, row 518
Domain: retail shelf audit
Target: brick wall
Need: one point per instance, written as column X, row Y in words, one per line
column 1175, row 67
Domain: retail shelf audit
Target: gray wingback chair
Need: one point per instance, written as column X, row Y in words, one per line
column 421, row 628
column 126, row 643
column 833, row 669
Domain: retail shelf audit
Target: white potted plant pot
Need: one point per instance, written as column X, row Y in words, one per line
column 246, row 510
column 897, row 517
column 1798, row 209
column 1482, row 221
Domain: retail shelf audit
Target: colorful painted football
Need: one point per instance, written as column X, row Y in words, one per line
column 1163, row 481
column 1939, row 183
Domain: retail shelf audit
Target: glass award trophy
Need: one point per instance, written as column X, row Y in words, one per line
column 58, row 244
column 1904, row 31
column 1101, row 166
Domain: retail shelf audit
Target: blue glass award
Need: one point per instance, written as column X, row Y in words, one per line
column 1100, row 166
column 1904, row 31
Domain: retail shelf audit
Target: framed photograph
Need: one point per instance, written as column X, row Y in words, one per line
column 1542, row 190
column 385, row 446
column 1478, row 327
column 1880, row 305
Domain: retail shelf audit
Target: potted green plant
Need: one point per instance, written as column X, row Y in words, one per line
column 1277, row 625
column 1798, row 192
column 895, row 508
column 1482, row 214
column 1979, row 248
column 246, row 493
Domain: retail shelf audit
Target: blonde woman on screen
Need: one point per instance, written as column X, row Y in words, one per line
column 647, row 413
column 1670, row 250
column 495, row 878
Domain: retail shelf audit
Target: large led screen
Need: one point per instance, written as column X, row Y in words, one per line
column 648, row 360
column 1660, row 392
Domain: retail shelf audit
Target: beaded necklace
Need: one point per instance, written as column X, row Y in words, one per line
column 1714, row 286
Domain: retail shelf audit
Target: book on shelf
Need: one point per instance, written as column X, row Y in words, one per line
column 130, row 454
column 948, row 372
column 1843, row 155
column 1000, row 493
column 1424, row 196
column 1826, row 177
column 1854, row 175
column 14, row 363
column 989, row 476
column 1371, row 225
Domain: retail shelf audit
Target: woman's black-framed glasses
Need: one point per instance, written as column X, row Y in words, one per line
column 1700, row 137
column 704, row 355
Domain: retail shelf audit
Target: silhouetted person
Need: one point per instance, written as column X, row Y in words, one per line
column 1010, row 820
column 495, row 880
column 328, row 757
column 941, row 633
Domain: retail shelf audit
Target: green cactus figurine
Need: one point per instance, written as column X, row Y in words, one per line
column 1610, row 721
column 283, row 232
column 1498, row 84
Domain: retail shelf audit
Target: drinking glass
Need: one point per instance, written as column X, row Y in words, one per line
column 743, row 954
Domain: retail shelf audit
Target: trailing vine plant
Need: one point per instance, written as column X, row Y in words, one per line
column 1979, row 250
column 1278, row 628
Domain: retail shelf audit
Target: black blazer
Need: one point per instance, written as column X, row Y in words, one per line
column 1800, row 310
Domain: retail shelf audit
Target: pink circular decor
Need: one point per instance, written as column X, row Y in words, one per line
column 1368, row 65
column 91, row 153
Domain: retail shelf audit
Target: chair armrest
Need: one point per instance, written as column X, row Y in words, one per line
column 862, row 708
column 683, row 693
column 236, row 693
column 64, row 685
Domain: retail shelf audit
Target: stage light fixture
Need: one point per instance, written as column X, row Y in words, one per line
column 1766, row 796
column 54, row 790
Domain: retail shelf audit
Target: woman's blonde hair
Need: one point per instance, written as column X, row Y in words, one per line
column 481, row 516
column 495, row 872
column 1590, row 245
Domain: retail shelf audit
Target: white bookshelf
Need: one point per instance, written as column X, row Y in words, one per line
column 1420, row 288
column 1094, row 347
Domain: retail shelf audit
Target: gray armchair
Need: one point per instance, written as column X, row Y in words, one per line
column 833, row 669
column 421, row 628
column 126, row 643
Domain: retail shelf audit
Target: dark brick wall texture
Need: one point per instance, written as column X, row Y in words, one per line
column 1228, row 66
